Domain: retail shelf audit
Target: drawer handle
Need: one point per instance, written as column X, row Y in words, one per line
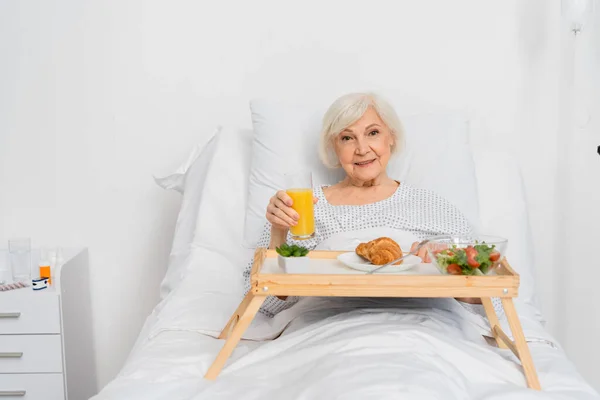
column 11, row 355
column 10, row 314
column 13, row 393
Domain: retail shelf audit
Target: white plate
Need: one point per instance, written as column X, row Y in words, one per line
column 354, row 261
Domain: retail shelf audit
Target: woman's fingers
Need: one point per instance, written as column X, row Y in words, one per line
column 284, row 197
column 422, row 253
column 315, row 200
column 283, row 201
column 277, row 216
column 279, row 211
column 426, row 258
column 436, row 249
column 281, row 205
column 414, row 246
column 278, row 222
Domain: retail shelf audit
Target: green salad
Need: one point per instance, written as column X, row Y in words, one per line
column 471, row 260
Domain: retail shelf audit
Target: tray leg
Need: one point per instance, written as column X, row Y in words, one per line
column 493, row 318
column 521, row 344
column 235, row 317
column 240, row 321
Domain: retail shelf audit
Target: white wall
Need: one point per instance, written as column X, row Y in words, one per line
column 579, row 198
column 97, row 96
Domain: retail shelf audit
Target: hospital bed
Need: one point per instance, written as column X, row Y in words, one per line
column 321, row 348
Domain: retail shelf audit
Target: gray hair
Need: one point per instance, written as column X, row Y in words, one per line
column 348, row 109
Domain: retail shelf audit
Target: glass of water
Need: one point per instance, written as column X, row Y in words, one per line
column 4, row 267
column 19, row 253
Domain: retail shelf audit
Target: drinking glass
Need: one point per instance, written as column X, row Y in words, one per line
column 299, row 188
column 5, row 274
column 19, row 251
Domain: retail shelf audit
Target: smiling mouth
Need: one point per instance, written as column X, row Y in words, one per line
column 364, row 163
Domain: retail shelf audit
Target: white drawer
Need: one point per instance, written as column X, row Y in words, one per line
column 31, row 387
column 29, row 313
column 30, row 353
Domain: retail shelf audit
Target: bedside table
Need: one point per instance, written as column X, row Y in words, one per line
column 46, row 345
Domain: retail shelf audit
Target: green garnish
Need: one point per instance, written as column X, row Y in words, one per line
column 291, row 251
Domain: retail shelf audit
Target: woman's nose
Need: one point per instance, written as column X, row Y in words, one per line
column 361, row 147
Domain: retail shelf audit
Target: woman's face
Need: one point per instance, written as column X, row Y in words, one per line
column 364, row 148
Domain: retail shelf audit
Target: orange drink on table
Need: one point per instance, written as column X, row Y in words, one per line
column 299, row 188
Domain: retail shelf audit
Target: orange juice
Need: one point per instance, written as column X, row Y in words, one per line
column 303, row 205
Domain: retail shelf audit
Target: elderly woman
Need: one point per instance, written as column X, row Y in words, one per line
column 360, row 133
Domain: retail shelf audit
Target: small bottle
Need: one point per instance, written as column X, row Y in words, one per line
column 52, row 263
column 44, row 265
column 59, row 261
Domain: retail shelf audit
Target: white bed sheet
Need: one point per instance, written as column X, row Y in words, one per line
column 357, row 355
column 332, row 348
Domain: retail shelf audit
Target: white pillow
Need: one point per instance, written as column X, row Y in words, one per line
column 220, row 218
column 177, row 180
column 437, row 157
column 194, row 181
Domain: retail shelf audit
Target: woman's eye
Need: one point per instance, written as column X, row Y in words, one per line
column 345, row 138
column 373, row 133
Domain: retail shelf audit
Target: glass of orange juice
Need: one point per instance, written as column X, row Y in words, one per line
column 299, row 188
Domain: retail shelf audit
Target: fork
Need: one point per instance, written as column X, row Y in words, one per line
column 412, row 253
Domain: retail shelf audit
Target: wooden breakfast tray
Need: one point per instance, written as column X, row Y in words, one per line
column 329, row 277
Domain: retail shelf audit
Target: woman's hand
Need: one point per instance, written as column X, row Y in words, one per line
column 426, row 259
column 280, row 213
column 422, row 252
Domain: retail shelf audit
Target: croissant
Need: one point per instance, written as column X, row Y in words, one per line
column 380, row 251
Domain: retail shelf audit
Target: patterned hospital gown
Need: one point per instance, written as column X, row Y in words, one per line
column 419, row 211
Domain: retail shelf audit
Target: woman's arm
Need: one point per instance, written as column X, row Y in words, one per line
column 450, row 220
column 278, row 237
column 426, row 259
column 270, row 238
column 280, row 216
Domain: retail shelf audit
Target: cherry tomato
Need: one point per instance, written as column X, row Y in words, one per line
column 454, row 269
column 494, row 256
column 471, row 254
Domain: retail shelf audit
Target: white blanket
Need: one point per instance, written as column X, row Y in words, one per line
column 356, row 354
column 331, row 349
